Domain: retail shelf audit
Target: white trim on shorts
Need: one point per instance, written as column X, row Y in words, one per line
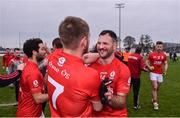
column 156, row 77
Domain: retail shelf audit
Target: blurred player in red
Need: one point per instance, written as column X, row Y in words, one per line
column 110, row 67
column 14, row 62
column 6, row 59
column 72, row 87
column 31, row 90
column 136, row 64
column 157, row 63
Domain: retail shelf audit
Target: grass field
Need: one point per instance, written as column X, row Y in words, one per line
column 169, row 96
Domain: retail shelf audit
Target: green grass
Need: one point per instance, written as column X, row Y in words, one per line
column 169, row 96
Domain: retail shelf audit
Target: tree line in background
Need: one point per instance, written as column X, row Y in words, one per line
column 146, row 43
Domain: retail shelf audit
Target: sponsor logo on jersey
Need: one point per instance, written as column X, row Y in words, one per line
column 157, row 62
column 65, row 74
column 103, row 75
column 35, row 83
column 53, row 66
column 61, row 61
column 112, row 75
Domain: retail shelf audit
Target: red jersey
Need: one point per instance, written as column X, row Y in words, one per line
column 135, row 64
column 14, row 62
column 120, row 74
column 157, row 60
column 71, row 85
column 31, row 82
column 7, row 58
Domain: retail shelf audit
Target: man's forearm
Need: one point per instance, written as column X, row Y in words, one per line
column 118, row 102
column 40, row 98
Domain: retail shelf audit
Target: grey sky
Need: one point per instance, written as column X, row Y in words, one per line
column 32, row 18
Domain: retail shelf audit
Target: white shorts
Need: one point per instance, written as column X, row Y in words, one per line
column 42, row 115
column 156, row 77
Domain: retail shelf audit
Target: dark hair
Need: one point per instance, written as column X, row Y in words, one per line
column 16, row 49
column 159, row 43
column 111, row 34
column 57, row 43
column 30, row 45
column 71, row 30
column 138, row 50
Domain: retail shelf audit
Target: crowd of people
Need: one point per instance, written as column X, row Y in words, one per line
column 76, row 82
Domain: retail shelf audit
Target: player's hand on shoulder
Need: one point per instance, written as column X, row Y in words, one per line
column 151, row 68
column 21, row 66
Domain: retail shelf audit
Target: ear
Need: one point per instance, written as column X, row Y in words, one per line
column 114, row 46
column 84, row 42
column 34, row 52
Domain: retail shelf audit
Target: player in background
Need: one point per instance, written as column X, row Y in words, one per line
column 111, row 68
column 136, row 64
column 6, row 59
column 157, row 63
column 56, row 43
column 31, row 92
column 14, row 62
column 126, row 54
column 72, row 87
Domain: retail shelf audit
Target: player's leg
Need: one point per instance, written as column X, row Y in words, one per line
column 132, row 86
column 17, row 89
column 136, row 88
column 154, row 94
column 154, row 85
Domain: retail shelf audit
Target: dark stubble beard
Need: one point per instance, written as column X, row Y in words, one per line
column 39, row 58
column 109, row 53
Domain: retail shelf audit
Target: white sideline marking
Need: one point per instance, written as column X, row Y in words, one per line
column 8, row 104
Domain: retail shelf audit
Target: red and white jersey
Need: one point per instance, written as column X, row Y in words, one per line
column 120, row 74
column 136, row 64
column 9, row 76
column 157, row 60
column 14, row 62
column 6, row 59
column 71, row 85
column 31, row 82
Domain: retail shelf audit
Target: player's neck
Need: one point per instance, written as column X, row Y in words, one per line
column 158, row 51
column 75, row 52
column 33, row 59
column 107, row 60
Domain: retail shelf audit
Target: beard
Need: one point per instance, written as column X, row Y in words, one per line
column 39, row 57
column 107, row 55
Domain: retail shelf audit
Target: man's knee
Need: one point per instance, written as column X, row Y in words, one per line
column 155, row 88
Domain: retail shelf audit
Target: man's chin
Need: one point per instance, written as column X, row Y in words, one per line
column 103, row 56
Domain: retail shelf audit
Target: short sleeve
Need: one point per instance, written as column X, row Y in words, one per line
column 35, row 82
column 123, row 83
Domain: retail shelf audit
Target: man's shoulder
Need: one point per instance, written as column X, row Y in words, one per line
column 31, row 68
column 88, row 70
column 121, row 66
column 55, row 53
